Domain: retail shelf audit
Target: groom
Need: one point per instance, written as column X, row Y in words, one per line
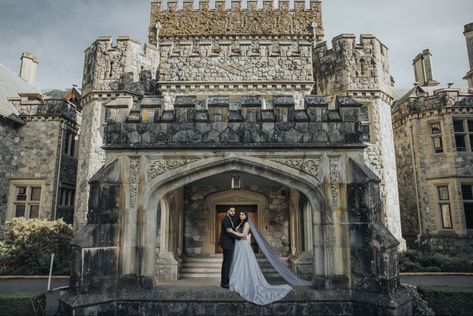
column 227, row 242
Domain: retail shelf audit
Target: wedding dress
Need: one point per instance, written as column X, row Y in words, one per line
column 247, row 279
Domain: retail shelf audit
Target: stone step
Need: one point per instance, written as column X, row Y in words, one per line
column 217, row 275
column 216, row 270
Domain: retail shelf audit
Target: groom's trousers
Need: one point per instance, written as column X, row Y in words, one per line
column 227, row 262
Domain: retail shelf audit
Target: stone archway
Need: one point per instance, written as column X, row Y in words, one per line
column 200, row 169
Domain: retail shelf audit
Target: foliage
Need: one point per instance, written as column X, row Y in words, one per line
column 420, row 307
column 428, row 261
column 447, row 300
column 29, row 244
column 22, row 303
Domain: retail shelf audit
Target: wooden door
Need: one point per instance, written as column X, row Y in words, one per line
column 221, row 212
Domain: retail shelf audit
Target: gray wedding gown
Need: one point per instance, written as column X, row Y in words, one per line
column 247, row 279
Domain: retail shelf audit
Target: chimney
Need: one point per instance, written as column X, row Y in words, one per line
column 29, row 63
column 469, row 47
column 423, row 69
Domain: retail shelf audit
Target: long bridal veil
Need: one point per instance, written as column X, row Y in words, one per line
column 283, row 270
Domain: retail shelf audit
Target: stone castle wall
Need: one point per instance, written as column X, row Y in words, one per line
column 10, row 140
column 419, row 164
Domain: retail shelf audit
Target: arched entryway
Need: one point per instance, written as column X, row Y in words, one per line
column 194, row 171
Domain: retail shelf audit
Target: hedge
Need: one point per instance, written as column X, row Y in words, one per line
column 29, row 244
column 446, row 300
column 427, row 261
column 22, row 303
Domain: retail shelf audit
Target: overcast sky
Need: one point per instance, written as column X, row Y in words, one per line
column 58, row 32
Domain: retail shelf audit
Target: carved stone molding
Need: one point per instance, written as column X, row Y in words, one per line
column 309, row 166
column 334, row 173
column 159, row 167
column 134, row 176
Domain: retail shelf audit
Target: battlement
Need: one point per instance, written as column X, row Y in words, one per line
column 232, row 121
column 235, row 18
column 122, row 65
column 352, row 65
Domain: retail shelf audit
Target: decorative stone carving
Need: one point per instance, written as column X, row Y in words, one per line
column 159, row 167
column 308, row 166
column 134, row 176
column 334, row 173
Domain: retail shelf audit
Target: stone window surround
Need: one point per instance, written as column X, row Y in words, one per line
column 433, row 136
column 466, row 132
column 32, row 182
column 441, row 202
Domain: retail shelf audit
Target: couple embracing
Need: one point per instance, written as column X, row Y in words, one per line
column 240, row 270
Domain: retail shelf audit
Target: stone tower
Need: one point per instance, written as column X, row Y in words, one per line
column 361, row 70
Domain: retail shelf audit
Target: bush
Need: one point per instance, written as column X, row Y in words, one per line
column 420, row 307
column 29, row 244
column 22, row 304
column 427, row 261
column 447, row 300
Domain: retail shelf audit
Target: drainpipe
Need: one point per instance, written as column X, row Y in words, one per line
column 419, row 217
column 61, row 148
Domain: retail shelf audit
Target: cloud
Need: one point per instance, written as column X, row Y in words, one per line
column 58, row 32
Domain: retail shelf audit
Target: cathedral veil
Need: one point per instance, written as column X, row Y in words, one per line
column 284, row 271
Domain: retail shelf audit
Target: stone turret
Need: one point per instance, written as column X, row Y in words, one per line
column 469, row 46
column 124, row 66
column 349, row 65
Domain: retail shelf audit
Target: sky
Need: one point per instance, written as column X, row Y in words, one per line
column 58, row 32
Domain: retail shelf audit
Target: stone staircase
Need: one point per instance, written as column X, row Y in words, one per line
column 210, row 266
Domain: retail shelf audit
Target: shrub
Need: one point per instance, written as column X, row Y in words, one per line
column 428, row 261
column 29, row 244
column 22, row 304
column 447, row 300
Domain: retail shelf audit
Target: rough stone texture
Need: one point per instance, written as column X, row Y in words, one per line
column 172, row 21
column 196, row 221
column 421, row 170
column 361, row 70
column 32, row 151
column 10, row 140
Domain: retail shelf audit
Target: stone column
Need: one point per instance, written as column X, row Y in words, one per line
column 90, row 156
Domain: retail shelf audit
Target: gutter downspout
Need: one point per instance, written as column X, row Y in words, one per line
column 419, row 217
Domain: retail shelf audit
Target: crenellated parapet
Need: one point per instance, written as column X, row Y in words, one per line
column 232, row 121
column 352, row 65
column 120, row 66
column 184, row 18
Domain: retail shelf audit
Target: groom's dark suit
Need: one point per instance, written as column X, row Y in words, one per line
column 227, row 242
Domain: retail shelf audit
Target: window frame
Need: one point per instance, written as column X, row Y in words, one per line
column 434, row 136
column 12, row 197
column 466, row 134
column 441, row 202
column 466, row 201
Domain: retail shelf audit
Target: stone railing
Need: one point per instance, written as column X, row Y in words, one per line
column 247, row 121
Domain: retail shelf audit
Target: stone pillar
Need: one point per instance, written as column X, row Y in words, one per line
column 469, row 46
column 91, row 156
column 423, row 69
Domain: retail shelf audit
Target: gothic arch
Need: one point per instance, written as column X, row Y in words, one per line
column 200, row 169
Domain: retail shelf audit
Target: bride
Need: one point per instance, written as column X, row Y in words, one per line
column 246, row 277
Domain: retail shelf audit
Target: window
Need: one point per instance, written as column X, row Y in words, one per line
column 463, row 130
column 70, row 143
column 436, row 135
column 444, row 206
column 66, row 197
column 27, row 201
column 467, row 194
